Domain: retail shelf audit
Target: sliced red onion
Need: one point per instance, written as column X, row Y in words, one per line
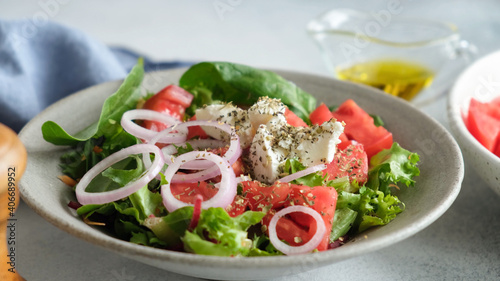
column 302, row 173
column 145, row 134
column 232, row 154
column 227, row 188
column 302, row 249
column 170, row 150
column 85, row 197
column 158, row 136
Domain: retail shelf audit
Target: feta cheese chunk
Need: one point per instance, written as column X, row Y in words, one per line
column 266, row 109
column 317, row 144
column 231, row 115
column 266, row 156
column 272, row 141
column 245, row 122
column 273, row 145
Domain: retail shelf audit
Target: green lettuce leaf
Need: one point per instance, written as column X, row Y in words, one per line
column 123, row 177
column 376, row 209
column 391, row 166
column 243, row 85
column 147, row 203
column 348, row 200
column 261, row 246
column 293, row 165
column 342, row 222
column 139, row 205
column 172, row 227
column 123, row 207
column 374, row 203
column 230, row 234
column 76, row 162
column 147, row 238
column 108, row 125
column 117, row 176
column 125, row 217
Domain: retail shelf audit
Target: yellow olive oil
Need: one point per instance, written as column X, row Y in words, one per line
column 399, row 78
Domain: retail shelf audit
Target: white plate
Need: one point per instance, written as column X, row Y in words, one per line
column 482, row 81
column 436, row 189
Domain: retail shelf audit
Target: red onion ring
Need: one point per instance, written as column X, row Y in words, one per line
column 85, row 197
column 232, row 154
column 145, row 134
column 158, row 136
column 302, row 249
column 302, row 173
column 227, row 188
column 170, row 150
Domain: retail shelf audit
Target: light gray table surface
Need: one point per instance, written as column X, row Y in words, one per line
column 464, row 244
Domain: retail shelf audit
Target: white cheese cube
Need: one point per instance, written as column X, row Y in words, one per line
column 231, row 115
column 317, row 144
column 265, row 156
column 273, row 145
column 266, row 109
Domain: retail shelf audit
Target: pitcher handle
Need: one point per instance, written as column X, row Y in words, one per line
column 465, row 51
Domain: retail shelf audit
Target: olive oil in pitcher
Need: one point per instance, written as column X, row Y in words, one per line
column 399, row 78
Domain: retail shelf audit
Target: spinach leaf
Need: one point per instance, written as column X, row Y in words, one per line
column 129, row 168
column 124, row 99
column 171, row 227
column 243, row 85
column 377, row 120
column 147, row 203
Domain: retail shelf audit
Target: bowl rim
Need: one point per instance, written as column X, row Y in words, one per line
column 456, row 107
column 317, row 259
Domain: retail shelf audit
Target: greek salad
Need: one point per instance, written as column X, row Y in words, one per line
column 233, row 161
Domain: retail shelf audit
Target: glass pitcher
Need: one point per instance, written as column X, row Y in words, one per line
column 401, row 56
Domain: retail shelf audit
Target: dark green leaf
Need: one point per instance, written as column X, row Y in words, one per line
column 171, row 227
column 184, row 149
column 243, row 85
column 123, row 177
column 147, row 203
column 124, row 99
column 377, row 120
column 261, row 246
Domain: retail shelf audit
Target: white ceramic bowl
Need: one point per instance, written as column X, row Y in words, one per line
column 435, row 191
column 482, row 81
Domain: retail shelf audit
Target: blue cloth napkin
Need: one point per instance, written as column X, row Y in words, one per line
column 40, row 64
